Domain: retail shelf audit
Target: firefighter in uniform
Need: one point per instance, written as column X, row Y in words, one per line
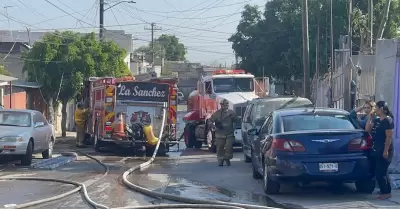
column 224, row 120
column 81, row 115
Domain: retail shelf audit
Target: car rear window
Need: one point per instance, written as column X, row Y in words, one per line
column 315, row 122
column 267, row 107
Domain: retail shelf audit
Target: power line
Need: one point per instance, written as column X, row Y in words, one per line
column 223, row 20
column 192, row 18
column 216, row 2
column 193, row 10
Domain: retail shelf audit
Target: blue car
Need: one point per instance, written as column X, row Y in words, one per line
column 311, row 144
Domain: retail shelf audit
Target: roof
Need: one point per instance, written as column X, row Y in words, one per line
column 26, row 84
column 229, row 76
column 278, row 98
column 4, row 78
column 300, row 111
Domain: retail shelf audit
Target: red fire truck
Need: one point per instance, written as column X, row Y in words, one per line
column 111, row 99
column 236, row 86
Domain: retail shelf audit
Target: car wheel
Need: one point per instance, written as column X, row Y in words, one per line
column 49, row 152
column 256, row 174
column 247, row 159
column 365, row 186
column 27, row 158
column 270, row 186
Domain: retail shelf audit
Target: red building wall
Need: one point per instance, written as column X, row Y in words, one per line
column 18, row 100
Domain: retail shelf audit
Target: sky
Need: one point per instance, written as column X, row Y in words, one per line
column 203, row 26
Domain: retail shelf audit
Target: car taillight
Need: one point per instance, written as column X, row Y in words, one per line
column 359, row 144
column 287, row 145
column 369, row 141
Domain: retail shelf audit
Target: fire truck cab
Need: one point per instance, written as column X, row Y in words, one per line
column 236, row 86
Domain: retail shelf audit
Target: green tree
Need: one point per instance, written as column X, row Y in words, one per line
column 165, row 46
column 62, row 61
column 3, row 71
column 272, row 39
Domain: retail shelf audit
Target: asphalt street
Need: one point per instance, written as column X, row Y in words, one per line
column 186, row 172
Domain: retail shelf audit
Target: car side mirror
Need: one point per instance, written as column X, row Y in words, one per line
column 252, row 132
column 39, row 124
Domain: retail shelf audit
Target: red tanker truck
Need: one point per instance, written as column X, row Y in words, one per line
column 236, row 86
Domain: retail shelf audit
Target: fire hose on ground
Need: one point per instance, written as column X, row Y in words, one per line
column 80, row 187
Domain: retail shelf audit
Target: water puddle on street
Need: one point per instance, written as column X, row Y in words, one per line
column 185, row 188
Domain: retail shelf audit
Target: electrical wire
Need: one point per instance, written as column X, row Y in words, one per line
column 94, row 6
column 193, row 18
column 223, row 20
column 192, row 10
column 33, row 10
column 216, row 2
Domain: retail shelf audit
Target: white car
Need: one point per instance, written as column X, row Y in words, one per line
column 24, row 133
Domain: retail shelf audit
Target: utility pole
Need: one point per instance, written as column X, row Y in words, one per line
column 152, row 28
column 317, row 45
column 350, row 33
column 306, row 51
column 371, row 23
column 102, row 10
column 332, row 53
column 101, row 20
column 349, row 92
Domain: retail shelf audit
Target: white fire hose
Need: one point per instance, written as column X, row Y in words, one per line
column 190, row 203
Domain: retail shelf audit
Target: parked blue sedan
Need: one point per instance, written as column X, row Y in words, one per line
column 311, row 144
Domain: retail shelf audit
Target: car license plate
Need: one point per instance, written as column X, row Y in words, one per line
column 328, row 167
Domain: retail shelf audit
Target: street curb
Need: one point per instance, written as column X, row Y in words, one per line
column 54, row 163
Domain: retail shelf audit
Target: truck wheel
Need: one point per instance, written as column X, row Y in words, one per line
column 97, row 143
column 198, row 144
column 189, row 136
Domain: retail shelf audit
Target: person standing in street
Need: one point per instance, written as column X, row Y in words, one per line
column 224, row 120
column 368, row 108
column 381, row 130
column 80, row 121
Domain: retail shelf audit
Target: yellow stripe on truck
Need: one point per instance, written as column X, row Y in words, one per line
column 173, row 118
column 110, row 91
column 109, row 116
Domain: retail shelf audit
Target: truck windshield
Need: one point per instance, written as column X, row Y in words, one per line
column 222, row 85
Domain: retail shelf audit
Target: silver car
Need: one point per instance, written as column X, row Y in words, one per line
column 257, row 111
column 24, row 133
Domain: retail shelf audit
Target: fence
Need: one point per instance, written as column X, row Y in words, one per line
column 344, row 67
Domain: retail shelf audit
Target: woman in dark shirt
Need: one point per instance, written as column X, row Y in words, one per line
column 381, row 130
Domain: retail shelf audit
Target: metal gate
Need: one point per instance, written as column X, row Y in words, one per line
column 342, row 66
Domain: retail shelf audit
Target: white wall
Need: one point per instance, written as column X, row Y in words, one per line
column 385, row 60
